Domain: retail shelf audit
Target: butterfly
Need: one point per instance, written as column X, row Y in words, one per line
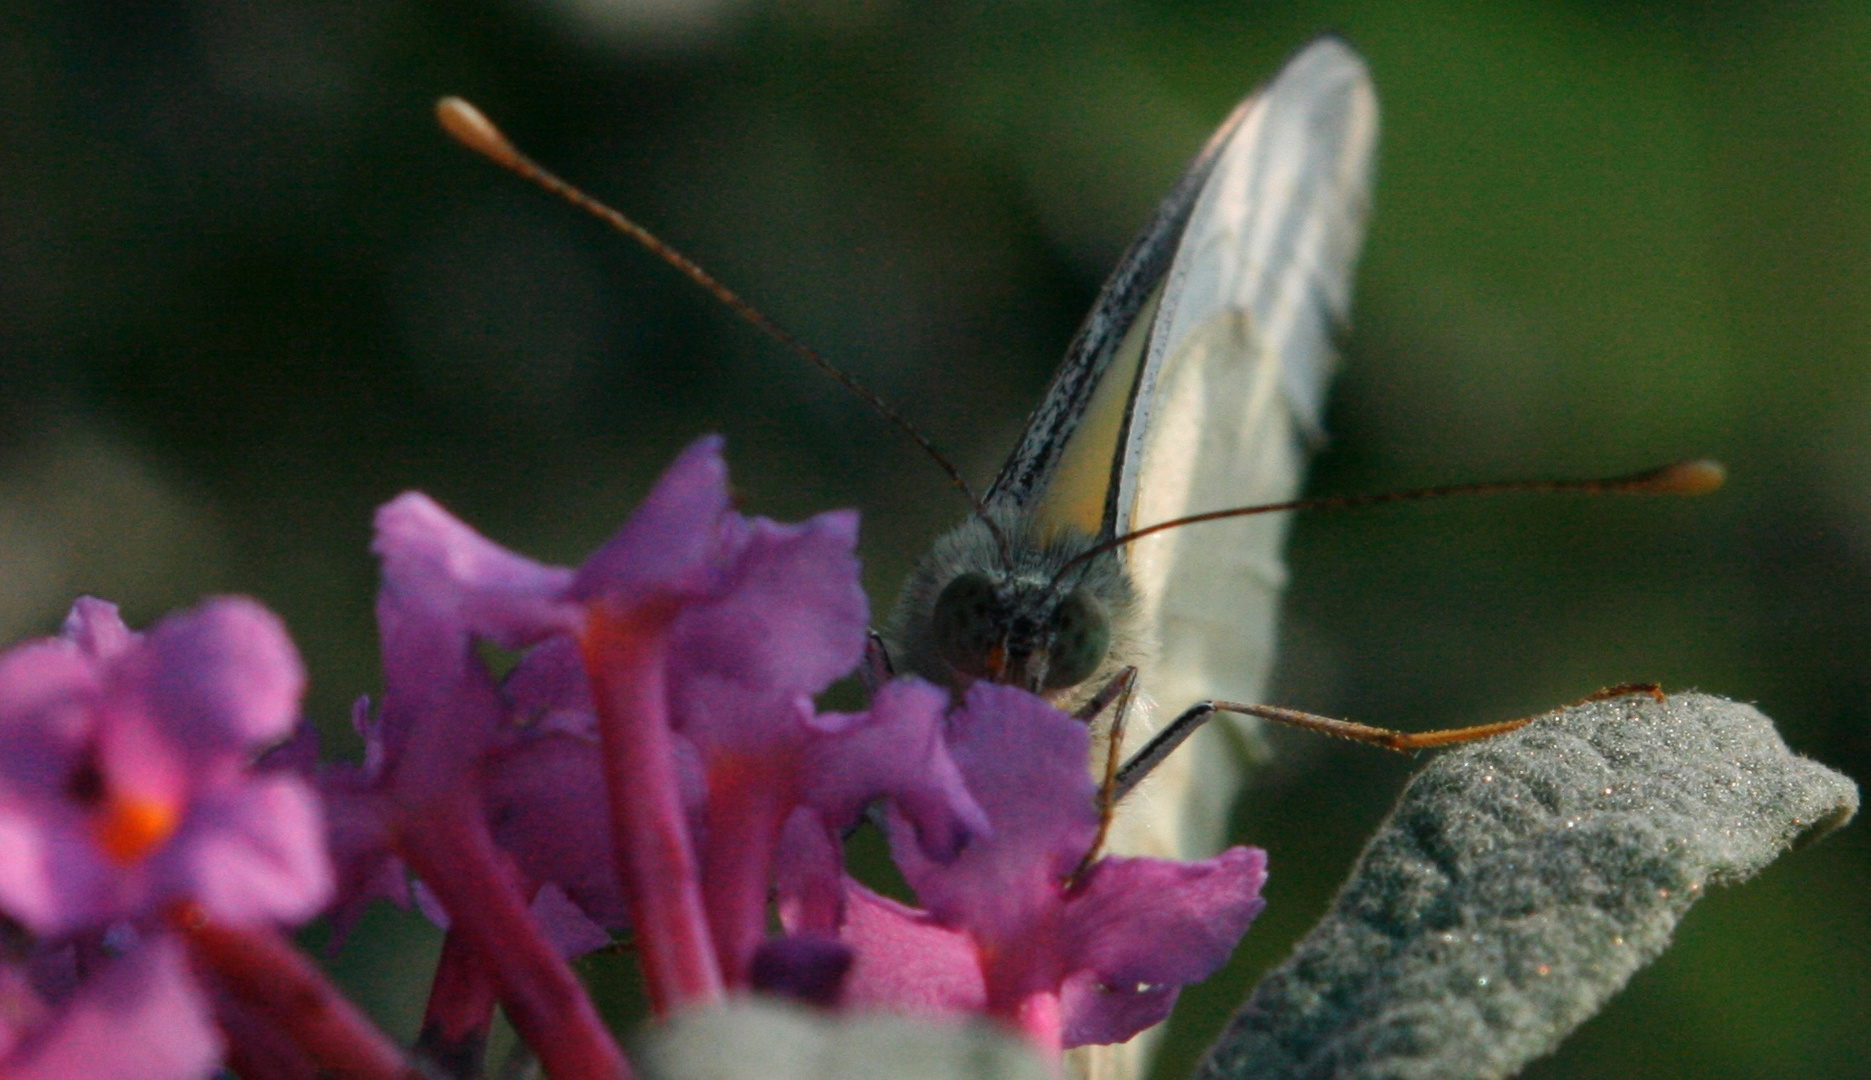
column 1195, row 384
column 1194, row 388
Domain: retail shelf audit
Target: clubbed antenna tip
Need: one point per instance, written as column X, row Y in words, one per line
column 468, row 126
column 1697, row 477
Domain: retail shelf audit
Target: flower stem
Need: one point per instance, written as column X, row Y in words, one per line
column 262, row 969
column 624, row 658
column 257, row 1048
column 446, row 843
column 460, row 1011
column 741, row 826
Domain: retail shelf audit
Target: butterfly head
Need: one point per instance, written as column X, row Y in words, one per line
column 977, row 608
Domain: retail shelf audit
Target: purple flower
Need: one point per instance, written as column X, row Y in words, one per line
column 1008, row 928
column 446, row 587
column 672, row 677
column 754, row 618
column 421, row 800
column 125, row 783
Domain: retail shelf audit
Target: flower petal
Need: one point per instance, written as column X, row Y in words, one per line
column 546, row 801
column 434, row 562
column 1024, row 763
column 252, row 854
column 223, row 678
column 565, row 924
column 444, row 585
column 95, row 627
column 48, row 695
column 906, row 961
column 896, row 750
column 789, row 615
column 1141, row 929
column 142, row 1018
column 671, row 542
column 52, row 877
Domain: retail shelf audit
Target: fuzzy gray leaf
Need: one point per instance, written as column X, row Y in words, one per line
column 1520, row 882
column 771, row 1040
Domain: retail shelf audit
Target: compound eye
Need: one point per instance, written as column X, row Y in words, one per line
column 1081, row 635
column 969, row 622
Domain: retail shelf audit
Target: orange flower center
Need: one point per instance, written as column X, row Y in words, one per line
column 130, row 828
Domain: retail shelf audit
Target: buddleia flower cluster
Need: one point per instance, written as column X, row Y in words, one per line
column 652, row 773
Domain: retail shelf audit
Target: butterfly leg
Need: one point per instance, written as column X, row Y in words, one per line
column 1165, row 743
column 1405, row 742
column 1118, row 690
column 1409, row 741
column 878, row 669
column 1119, row 686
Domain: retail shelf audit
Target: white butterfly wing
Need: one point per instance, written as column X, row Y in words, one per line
column 1229, row 397
column 1228, row 401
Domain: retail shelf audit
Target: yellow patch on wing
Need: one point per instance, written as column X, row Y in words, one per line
column 1075, row 498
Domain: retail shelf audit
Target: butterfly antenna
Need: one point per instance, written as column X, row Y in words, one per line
column 468, row 126
column 1696, row 477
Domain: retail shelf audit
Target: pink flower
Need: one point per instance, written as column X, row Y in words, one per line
column 127, row 793
column 1010, row 931
column 124, row 773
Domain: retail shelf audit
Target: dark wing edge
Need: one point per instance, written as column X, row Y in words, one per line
column 1303, row 191
column 1143, row 267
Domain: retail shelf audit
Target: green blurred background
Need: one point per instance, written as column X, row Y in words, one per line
column 249, row 293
